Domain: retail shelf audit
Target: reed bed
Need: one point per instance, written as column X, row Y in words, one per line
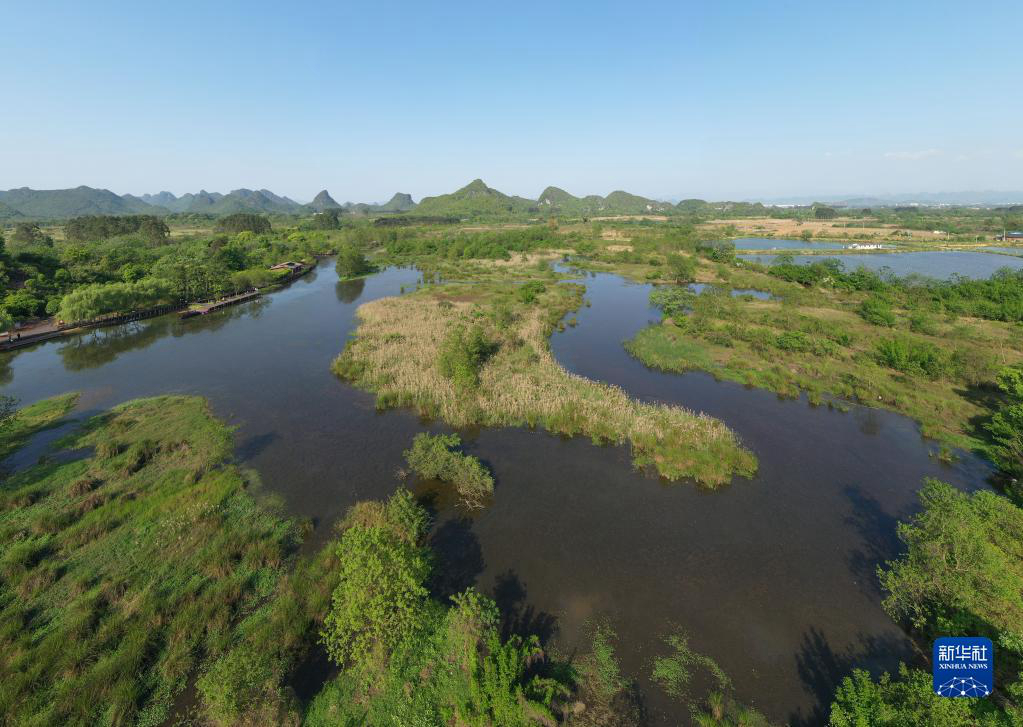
column 395, row 352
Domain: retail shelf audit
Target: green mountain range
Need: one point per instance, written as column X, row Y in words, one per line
column 9, row 213
column 60, row 203
column 400, row 202
column 555, row 200
column 474, row 201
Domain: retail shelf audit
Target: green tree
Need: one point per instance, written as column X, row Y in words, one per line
column 243, row 222
column 378, row 604
column 28, row 233
column 6, row 320
column 908, row 701
column 351, row 263
column 681, row 269
column 962, row 572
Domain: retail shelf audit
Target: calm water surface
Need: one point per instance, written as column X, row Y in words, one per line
column 942, row 265
column 770, row 243
column 772, row 577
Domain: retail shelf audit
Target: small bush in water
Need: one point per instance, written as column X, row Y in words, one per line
column 436, row 457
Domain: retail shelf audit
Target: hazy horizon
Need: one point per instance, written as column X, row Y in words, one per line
column 731, row 101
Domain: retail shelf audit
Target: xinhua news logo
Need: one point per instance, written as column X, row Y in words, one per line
column 964, row 666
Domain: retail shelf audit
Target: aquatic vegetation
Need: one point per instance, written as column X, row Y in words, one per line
column 436, row 457
column 675, row 671
column 123, row 570
column 520, row 383
column 838, row 344
column 605, row 698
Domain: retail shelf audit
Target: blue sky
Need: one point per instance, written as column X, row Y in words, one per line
column 716, row 100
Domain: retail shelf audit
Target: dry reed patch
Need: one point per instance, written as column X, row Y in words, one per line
column 525, row 259
column 395, row 352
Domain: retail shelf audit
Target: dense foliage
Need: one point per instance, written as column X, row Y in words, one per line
column 134, row 270
column 351, row 262
column 963, row 569
column 491, row 244
column 999, row 297
column 409, row 659
column 101, row 227
column 1006, row 427
column 243, row 222
column 908, row 701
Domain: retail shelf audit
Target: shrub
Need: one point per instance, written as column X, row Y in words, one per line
column 673, row 301
column 913, row 357
column 681, row 269
column 436, row 457
column 1006, row 425
column 877, row 311
column 794, row 341
column 462, row 355
column 921, row 322
column 528, row 292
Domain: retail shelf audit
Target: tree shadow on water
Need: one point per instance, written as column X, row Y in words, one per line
column 821, row 668
column 459, row 558
column 255, row 445
column 879, row 540
column 349, row 291
column 517, row 616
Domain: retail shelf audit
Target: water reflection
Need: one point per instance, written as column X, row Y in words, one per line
column 348, row 291
column 102, row 345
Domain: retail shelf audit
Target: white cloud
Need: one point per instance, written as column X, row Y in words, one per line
column 912, row 155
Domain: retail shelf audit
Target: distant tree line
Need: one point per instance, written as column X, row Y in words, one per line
column 243, row 222
column 101, row 227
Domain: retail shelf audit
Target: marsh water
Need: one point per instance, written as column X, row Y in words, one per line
column 772, row 577
column 771, row 243
column 933, row 264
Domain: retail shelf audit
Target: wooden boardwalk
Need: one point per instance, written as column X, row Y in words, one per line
column 218, row 304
